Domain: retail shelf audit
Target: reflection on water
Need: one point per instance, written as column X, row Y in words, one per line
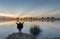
column 50, row 28
column 35, row 31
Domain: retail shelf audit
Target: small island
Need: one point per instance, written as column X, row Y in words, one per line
column 20, row 36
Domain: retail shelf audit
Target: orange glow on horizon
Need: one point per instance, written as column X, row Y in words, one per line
column 34, row 16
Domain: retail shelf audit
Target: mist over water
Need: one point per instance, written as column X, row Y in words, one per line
column 49, row 29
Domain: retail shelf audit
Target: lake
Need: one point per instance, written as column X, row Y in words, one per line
column 49, row 29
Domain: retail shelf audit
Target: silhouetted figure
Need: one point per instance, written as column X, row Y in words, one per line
column 19, row 26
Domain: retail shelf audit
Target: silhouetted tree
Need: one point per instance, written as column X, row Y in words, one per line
column 48, row 18
column 17, row 19
column 52, row 17
column 30, row 18
column 42, row 17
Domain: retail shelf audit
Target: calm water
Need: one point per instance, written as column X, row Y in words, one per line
column 50, row 29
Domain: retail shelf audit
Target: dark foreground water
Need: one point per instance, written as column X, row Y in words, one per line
column 50, row 30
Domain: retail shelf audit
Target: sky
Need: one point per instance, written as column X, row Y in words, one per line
column 30, row 8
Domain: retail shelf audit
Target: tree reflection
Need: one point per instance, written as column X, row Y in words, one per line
column 35, row 30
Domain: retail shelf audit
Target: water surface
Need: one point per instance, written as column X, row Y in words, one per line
column 49, row 29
